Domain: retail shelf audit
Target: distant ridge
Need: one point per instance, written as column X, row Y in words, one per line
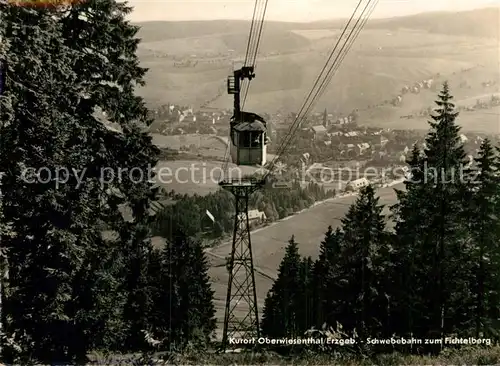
column 160, row 30
column 476, row 23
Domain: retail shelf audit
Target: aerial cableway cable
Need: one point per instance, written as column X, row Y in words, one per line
column 301, row 116
column 370, row 6
column 250, row 38
column 255, row 49
column 311, row 99
column 309, row 96
column 253, row 43
column 338, row 61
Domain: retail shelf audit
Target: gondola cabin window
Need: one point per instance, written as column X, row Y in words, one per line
column 248, row 142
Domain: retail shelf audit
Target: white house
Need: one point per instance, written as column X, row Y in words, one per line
column 363, row 147
column 319, row 131
column 254, row 216
column 383, row 141
column 357, row 184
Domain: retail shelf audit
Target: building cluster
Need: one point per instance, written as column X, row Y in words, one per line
column 172, row 119
column 341, row 134
column 323, row 136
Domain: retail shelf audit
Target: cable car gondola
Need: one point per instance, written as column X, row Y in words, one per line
column 248, row 141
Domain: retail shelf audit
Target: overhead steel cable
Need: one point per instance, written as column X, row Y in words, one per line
column 321, row 73
column 251, row 31
column 252, row 39
column 250, row 55
column 356, row 32
column 256, row 49
column 305, row 103
column 259, row 36
column 333, row 68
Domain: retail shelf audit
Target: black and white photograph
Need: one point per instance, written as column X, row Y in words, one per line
column 250, row 182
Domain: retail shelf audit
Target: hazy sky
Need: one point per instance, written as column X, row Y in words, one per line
column 288, row 10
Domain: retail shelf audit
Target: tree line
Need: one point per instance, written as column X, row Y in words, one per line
column 188, row 212
column 68, row 289
column 435, row 275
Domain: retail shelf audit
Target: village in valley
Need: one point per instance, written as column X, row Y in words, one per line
column 325, row 141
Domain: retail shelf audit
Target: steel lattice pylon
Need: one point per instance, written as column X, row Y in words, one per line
column 241, row 285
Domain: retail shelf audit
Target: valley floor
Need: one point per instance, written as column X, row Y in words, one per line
column 268, row 244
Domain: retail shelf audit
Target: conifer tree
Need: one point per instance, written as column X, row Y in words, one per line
column 446, row 238
column 48, row 218
column 108, row 73
column 432, row 233
column 410, row 216
column 52, row 94
column 485, row 231
column 364, row 256
column 327, row 289
column 281, row 307
column 305, row 308
column 184, row 308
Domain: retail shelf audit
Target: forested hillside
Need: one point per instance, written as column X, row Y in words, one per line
column 436, row 276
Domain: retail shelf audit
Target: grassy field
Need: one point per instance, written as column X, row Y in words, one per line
column 487, row 120
column 385, row 57
column 467, row 356
column 268, row 243
column 464, row 356
column 482, row 121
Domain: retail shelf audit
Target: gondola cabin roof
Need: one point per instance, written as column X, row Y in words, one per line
column 248, row 122
column 250, row 126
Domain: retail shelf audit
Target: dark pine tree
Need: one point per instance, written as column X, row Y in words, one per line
column 108, row 73
column 53, row 222
column 184, row 311
column 305, row 316
column 410, row 217
column 281, row 307
column 432, row 252
column 67, row 291
column 485, row 230
column 364, row 257
column 327, row 285
column 446, row 237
